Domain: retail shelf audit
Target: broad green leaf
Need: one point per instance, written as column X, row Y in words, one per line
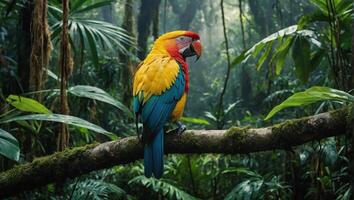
column 239, row 59
column 52, row 75
column 301, row 54
column 258, row 49
column 261, row 60
column 311, row 95
column 195, row 120
column 281, row 54
column 86, row 34
column 316, row 57
column 27, row 104
column 93, row 45
column 67, row 119
column 9, row 146
column 99, row 95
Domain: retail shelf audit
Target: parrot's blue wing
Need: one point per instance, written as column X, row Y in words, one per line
column 154, row 114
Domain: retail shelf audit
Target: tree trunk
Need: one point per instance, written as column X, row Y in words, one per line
column 147, row 11
column 186, row 15
column 24, row 45
column 80, row 160
column 128, row 63
column 241, row 24
column 41, row 47
column 155, row 24
column 108, row 13
column 262, row 13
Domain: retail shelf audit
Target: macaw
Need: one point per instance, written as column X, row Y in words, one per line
column 160, row 88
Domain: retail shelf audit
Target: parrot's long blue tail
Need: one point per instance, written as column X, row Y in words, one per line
column 153, row 156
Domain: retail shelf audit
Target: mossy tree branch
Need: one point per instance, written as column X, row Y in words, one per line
column 80, row 160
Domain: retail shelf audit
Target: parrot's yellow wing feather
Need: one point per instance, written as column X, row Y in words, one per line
column 156, row 74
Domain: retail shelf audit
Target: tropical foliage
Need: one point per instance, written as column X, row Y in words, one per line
column 288, row 59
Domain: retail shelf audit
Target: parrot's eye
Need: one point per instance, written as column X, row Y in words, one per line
column 184, row 39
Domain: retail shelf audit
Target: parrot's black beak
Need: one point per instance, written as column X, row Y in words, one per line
column 189, row 52
column 195, row 49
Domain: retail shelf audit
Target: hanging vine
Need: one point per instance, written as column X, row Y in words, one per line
column 66, row 67
column 220, row 117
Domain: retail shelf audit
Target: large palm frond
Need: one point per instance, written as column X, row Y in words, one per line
column 88, row 34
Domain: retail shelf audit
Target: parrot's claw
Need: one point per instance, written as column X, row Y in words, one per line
column 181, row 128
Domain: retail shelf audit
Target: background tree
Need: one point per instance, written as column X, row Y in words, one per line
column 148, row 11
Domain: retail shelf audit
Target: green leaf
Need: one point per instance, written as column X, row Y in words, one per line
column 241, row 170
column 258, row 49
column 312, row 17
column 9, row 146
column 195, row 120
column 96, row 189
column 261, row 60
column 311, row 95
column 99, row 95
column 301, row 54
column 210, row 116
column 52, row 75
column 238, row 59
column 55, row 12
column 162, row 187
column 27, row 104
column 92, row 43
column 316, row 58
column 67, row 119
column 246, row 190
column 86, row 34
column 267, row 42
column 76, row 4
column 281, row 54
column 255, row 48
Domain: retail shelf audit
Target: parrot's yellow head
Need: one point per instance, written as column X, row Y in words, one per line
column 179, row 44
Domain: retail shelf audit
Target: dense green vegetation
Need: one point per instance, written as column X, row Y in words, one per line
column 264, row 61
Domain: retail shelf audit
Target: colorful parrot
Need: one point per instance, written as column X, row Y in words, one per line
column 160, row 88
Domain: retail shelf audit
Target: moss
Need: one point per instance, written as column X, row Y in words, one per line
column 46, row 161
column 188, row 137
column 289, row 126
column 338, row 114
column 237, row 134
column 131, row 143
column 63, row 155
column 344, row 116
column 349, row 118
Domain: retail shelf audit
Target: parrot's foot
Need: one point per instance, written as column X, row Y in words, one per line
column 181, row 128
